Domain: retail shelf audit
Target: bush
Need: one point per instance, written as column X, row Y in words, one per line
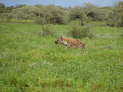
column 77, row 13
column 81, row 32
column 121, row 35
column 116, row 16
column 47, row 30
column 41, row 21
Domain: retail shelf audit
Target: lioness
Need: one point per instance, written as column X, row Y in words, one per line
column 70, row 42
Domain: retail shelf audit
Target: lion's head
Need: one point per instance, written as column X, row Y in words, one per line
column 61, row 41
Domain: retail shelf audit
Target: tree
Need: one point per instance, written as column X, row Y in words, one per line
column 2, row 5
column 116, row 16
column 94, row 12
column 25, row 12
column 51, row 14
column 77, row 13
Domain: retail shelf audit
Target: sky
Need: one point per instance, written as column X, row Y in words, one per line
column 64, row 3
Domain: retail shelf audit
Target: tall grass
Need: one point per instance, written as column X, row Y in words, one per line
column 33, row 63
column 78, row 31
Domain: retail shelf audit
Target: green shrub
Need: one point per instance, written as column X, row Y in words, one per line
column 41, row 21
column 47, row 30
column 77, row 13
column 116, row 16
column 121, row 35
column 81, row 32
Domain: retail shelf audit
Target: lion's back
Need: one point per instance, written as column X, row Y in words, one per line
column 74, row 42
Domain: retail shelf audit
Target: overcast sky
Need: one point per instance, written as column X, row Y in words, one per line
column 65, row 3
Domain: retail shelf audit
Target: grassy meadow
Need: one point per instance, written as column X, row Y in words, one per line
column 30, row 62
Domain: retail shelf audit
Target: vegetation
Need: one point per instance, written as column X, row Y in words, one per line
column 58, row 15
column 47, row 30
column 30, row 61
column 81, row 32
column 116, row 16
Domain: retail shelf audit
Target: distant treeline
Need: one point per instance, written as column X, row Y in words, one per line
column 50, row 14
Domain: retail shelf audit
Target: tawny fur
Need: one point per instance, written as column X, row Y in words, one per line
column 70, row 42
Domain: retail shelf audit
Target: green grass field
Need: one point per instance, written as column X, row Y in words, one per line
column 32, row 63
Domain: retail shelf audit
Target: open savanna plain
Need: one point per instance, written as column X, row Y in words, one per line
column 30, row 62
